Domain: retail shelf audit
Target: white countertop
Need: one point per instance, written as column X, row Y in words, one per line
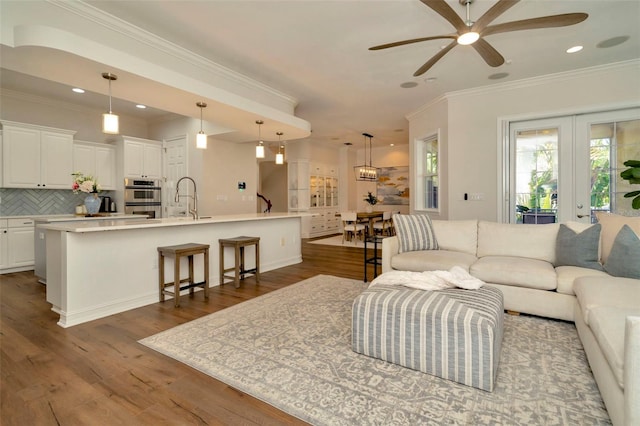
column 66, row 217
column 115, row 225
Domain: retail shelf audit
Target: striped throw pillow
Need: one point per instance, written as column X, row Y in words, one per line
column 415, row 232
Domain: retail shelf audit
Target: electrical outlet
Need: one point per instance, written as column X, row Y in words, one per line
column 476, row 196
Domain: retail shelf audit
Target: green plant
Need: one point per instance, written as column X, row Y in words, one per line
column 632, row 174
column 371, row 199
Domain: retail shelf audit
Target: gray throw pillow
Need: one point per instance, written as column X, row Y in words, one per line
column 415, row 232
column 624, row 259
column 573, row 249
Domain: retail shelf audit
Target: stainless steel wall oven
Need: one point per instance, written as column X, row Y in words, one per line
column 143, row 197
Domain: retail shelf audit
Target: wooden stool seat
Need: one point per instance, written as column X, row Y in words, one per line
column 238, row 244
column 177, row 252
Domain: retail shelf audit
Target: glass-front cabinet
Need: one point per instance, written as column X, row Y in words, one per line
column 322, row 195
column 318, row 192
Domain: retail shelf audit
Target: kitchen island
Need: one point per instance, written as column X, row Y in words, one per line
column 100, row 268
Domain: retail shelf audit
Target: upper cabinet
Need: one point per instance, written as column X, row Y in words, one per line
column 36, row 156
column 97, row 160
column 142, row 158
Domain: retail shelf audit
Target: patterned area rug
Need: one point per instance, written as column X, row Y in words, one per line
column 292, row 349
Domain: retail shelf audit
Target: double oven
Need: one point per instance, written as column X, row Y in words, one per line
column 143, row 196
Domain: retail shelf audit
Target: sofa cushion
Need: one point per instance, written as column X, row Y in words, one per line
column 457, row 235
column 517, row 240
column 608, row 326
column 611, row 225
column 415, row 232
column 515, row 271
column 578, row 248
column 594, row 291
column 624, row 259
column 566, row 275
column 431, row 260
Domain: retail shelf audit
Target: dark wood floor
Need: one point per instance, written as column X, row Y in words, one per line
column 97, row 374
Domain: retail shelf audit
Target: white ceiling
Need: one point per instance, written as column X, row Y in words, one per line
column 317, row 52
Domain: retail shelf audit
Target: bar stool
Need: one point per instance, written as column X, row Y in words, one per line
column 238, row 244
column 177, row 252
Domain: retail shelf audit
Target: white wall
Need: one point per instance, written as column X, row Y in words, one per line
column 86, row 122
column 472, row 123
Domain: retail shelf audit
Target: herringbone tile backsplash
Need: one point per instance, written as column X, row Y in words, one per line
column 21, row 202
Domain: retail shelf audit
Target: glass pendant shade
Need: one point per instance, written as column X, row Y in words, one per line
column 201, row 140
column 260, row 146
column 201, row 137
column 110, row 124
column 279, row 158
column 110, row 121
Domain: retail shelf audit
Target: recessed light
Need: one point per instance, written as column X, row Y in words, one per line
column 408, row 84
column 574, row 49
column 77, row 90
column 141, row 106
column 392, row 144
column 430, row 79
column 498, row 75
column 610, row 42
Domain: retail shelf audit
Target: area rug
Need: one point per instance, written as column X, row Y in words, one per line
column 292, row 349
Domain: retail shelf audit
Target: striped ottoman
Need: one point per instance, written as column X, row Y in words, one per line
column 454, row 334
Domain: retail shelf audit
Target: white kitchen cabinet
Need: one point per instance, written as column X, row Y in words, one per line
column 36, row 156
column 322, row 201
column 298, row 185
column 142, row 159
column 97, row 160
column 4, row 239
column 17, row 245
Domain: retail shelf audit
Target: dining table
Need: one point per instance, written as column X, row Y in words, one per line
column 370, row 217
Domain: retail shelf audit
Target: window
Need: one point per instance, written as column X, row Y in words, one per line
column 428, row 174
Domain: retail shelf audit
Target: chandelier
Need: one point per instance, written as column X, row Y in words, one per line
column 366, row 172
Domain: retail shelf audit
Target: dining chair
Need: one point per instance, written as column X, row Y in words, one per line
column 351, row 226
column 383, row 226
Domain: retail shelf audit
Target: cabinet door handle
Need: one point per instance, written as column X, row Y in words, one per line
column 582, row 215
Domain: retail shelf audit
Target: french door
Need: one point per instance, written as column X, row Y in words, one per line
column 568, row 168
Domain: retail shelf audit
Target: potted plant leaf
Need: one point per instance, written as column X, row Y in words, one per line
column 632, row 174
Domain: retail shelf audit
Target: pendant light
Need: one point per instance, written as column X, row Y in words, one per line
column 110, row 120
column 280, row 154
column 364, row 172
column 201, row 138
column 260, row 146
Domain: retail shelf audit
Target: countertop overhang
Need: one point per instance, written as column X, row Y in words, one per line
column 120, row 224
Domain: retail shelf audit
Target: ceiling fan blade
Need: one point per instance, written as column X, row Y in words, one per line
column 563, row 20
column 431, row 62
column 413, row 40
column 490, row 55
column 444, row 10
column 496, row 10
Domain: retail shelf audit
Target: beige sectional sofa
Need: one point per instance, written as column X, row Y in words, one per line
column 522, row 261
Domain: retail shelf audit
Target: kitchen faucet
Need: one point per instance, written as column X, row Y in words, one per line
column 194, row 211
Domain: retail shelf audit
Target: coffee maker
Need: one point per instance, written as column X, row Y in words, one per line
column 105, row 207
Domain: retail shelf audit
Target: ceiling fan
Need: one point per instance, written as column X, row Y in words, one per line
column 474, row 33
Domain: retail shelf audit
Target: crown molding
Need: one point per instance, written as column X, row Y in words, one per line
column 88, row 12
column 526, row 82
column 545, row 79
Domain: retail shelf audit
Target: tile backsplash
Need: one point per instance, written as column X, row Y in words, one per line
column 21, row 202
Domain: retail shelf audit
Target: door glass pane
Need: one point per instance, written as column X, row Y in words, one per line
column 611, row 144
column 536, row 176
column 430, row 168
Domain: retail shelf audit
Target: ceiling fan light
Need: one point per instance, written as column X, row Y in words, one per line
column 201, row 140
column 110, row 124
column 468, row 38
